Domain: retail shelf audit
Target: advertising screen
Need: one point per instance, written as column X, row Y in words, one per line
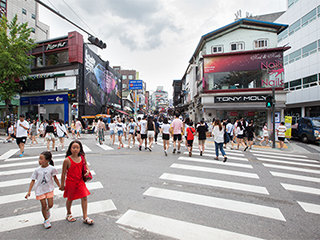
column 102, row 85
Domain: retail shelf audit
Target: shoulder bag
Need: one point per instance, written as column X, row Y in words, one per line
column 84, row 170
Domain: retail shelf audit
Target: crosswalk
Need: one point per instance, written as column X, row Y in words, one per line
column 15, row 179
column 245, row 181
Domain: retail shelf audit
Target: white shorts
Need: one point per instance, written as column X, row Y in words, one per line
column 150, row 134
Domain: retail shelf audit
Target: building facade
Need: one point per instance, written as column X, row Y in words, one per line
column 233, row 70
column 302, row 61
column 159, row 100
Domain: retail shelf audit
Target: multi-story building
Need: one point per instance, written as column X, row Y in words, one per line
column 233, row 70
column 159, row 100
column 302, row 61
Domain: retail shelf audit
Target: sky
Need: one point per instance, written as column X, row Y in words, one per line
column 157, row 38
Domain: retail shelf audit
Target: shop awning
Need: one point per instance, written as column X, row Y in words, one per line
column 88, row 117
column 102, row 115
column 120, row 111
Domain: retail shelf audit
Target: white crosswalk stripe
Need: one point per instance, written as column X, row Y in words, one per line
column 287, row 162
column 229, row 157
column 27, row 165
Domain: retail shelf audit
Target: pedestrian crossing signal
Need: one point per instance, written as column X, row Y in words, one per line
column 269, row 101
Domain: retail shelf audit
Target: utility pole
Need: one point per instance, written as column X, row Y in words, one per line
column 273, row 119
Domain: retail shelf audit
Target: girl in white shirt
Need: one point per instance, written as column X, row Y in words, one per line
column 112, row 128
column 218, row 136
column 165, row 130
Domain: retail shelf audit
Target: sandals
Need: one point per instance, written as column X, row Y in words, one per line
column 88, row 221
column 70, row 218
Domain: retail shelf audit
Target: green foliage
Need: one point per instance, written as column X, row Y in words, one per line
column 15, row 43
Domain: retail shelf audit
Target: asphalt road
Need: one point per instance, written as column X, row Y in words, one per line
column 261, row 193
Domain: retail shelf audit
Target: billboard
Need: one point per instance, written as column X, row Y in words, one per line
column 102, row 85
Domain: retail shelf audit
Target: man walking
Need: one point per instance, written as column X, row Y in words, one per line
column 176, row 126
column 21, row 131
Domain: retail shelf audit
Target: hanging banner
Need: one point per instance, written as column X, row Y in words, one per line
column 288, row 124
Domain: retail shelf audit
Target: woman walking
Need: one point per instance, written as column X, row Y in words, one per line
column 49, row 135
column 132, row 127
column 112, row 129
column 62, row 133
column 119, row 127
column 73, row 129
column 101, row 128
column 151, row 130
column 240, row 136
column 202, row 129
column 265, row 134
column 218, row 136
column 165, row 130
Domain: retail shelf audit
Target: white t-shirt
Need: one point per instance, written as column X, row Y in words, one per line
column 61, row 130
column 143, row 126
column 166, row 128
column 282, row 131
column 119, row 126
column 44, row 179
column 21, row 132
column 112, row 126
column 218, row 136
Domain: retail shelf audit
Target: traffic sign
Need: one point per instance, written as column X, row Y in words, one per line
column 135, row 85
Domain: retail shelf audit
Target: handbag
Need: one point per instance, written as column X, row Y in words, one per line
column 84, row 170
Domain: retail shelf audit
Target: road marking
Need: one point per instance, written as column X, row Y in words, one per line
column 57, row 214
column 298, row 188
column 21, row 181
column 20, row 196
column 105, row 147
column 175, row 228
column 26, row 170
column 215, row 183
column 293, row 176
column 288, row 158
column 278, row 154
column 210, row 151
column 193, row 159
column 310, row 207
column 9, row 154
column 31, row 147
column 220, row 203
column 299, row 169
column 86, row 148
column 213, row 155
column 32, row 157
column 287, row 162
column 34, row 162
column 215, row 170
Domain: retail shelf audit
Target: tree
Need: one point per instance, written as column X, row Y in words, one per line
column 15, row 43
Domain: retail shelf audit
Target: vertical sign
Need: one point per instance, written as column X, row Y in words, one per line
column 288, row 124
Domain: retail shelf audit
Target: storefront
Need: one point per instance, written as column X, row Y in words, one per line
column 53, row 106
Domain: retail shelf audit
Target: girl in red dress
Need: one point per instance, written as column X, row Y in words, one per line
column 74, row 187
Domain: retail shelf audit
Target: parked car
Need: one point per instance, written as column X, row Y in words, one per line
column 307, row 129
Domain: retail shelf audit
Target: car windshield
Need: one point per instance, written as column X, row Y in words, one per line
column 316, row 122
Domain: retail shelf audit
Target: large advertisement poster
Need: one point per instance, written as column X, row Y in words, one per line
column 102, row 84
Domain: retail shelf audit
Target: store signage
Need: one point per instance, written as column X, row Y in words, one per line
column 56, row 45
column 242, row 98
column 135, row 84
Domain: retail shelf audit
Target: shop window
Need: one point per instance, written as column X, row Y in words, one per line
column 310, row 81
column 130, row 77
column 296, row 84
column 294, row 27
column 57, row 58
column 309, row 49
column 261, row 43
column 309, row 17
column 124, row 77
column 217, row 49
column 24, row 11
column 295, row 56
column 237, row 46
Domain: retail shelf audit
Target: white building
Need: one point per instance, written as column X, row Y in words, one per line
column 27, row 11
column 302, row 61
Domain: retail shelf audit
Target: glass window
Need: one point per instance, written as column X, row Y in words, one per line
column 296, row 84
column 237, row 46
column 24, row 11
column 57, row 58
column 294, row 27
column 33, row 16
column 130, row 77
column 310, row 81
column 261, row 43
column 2, row 4
column 283, row 35
column 124, row 77
column 286, row 59
column 296, row 55
column 319, row 45
column 319, row 11
column 309, row 17
column 286, row 85
column 309, row 49
column 124, row 85
column 217, row 49
column 33, row 30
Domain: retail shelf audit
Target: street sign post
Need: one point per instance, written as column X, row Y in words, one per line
column 135, row 85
